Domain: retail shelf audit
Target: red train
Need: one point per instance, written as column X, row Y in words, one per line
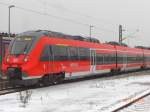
column 49, row 57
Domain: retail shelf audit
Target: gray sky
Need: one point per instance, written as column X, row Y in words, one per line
column 105, row 15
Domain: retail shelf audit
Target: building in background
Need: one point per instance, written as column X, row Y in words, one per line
column 4, row 42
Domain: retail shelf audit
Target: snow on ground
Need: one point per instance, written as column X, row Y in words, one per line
column 84, row 96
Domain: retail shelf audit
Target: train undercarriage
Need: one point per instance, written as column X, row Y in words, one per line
column 15, row 76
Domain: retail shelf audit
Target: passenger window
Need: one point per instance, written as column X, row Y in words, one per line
column 73, row 53
column 111, row 59
column 45, row 55
column 99, row 59
column 84, row 54
column 60, row 53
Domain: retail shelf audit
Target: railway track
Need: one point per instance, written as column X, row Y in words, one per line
column 66, row 90
column 6, row 87
column 108, row 76
column 142, row 105
column 125, row 103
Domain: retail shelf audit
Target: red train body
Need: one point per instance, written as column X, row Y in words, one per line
column 48, row 57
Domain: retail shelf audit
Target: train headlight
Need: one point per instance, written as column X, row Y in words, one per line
column 26, row 58
column 7, row 59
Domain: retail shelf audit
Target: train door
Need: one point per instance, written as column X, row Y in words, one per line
column 46, row 59
column 124, row 61
column 51, row 60
column 93, row 60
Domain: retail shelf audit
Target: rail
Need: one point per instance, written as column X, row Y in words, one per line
column 6, row 88
column 127, row 101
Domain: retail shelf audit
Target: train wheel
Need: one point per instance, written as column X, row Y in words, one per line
column 61, row 77
column 58, row 78
column 143, row 67
column 52, row 79
column 117, row 71
column 114, row 72
column 46, row 80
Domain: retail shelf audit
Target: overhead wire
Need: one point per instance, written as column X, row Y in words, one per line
column 80, row 14
column 57, row 17
column 75, row 12
column 46, row 14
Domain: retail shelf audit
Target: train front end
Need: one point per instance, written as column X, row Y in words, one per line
column 17, row 61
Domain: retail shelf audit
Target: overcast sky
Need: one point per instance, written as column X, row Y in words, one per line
column 104, row 15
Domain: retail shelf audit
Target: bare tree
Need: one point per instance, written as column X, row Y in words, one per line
column 25, row 97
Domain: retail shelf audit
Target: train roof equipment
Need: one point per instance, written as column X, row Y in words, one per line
column 59, row 35
column 117, row 43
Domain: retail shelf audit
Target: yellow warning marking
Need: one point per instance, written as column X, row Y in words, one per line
column 61, row 44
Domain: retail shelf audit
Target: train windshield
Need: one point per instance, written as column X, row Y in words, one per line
column 21, row 45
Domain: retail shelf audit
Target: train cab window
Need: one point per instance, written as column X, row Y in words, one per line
column 73, row 53
column 60, row 53
column 21, row 45
column 45, row 55
column 84, row 53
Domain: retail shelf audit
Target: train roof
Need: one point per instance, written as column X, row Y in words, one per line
column 39, row 33
column 142, row 47
column 117, row 43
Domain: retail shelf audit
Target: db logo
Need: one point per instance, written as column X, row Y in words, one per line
column 15, row 60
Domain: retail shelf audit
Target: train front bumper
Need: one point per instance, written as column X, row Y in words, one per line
column 17, row 77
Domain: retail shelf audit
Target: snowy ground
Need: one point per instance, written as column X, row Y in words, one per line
column 86, row 96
